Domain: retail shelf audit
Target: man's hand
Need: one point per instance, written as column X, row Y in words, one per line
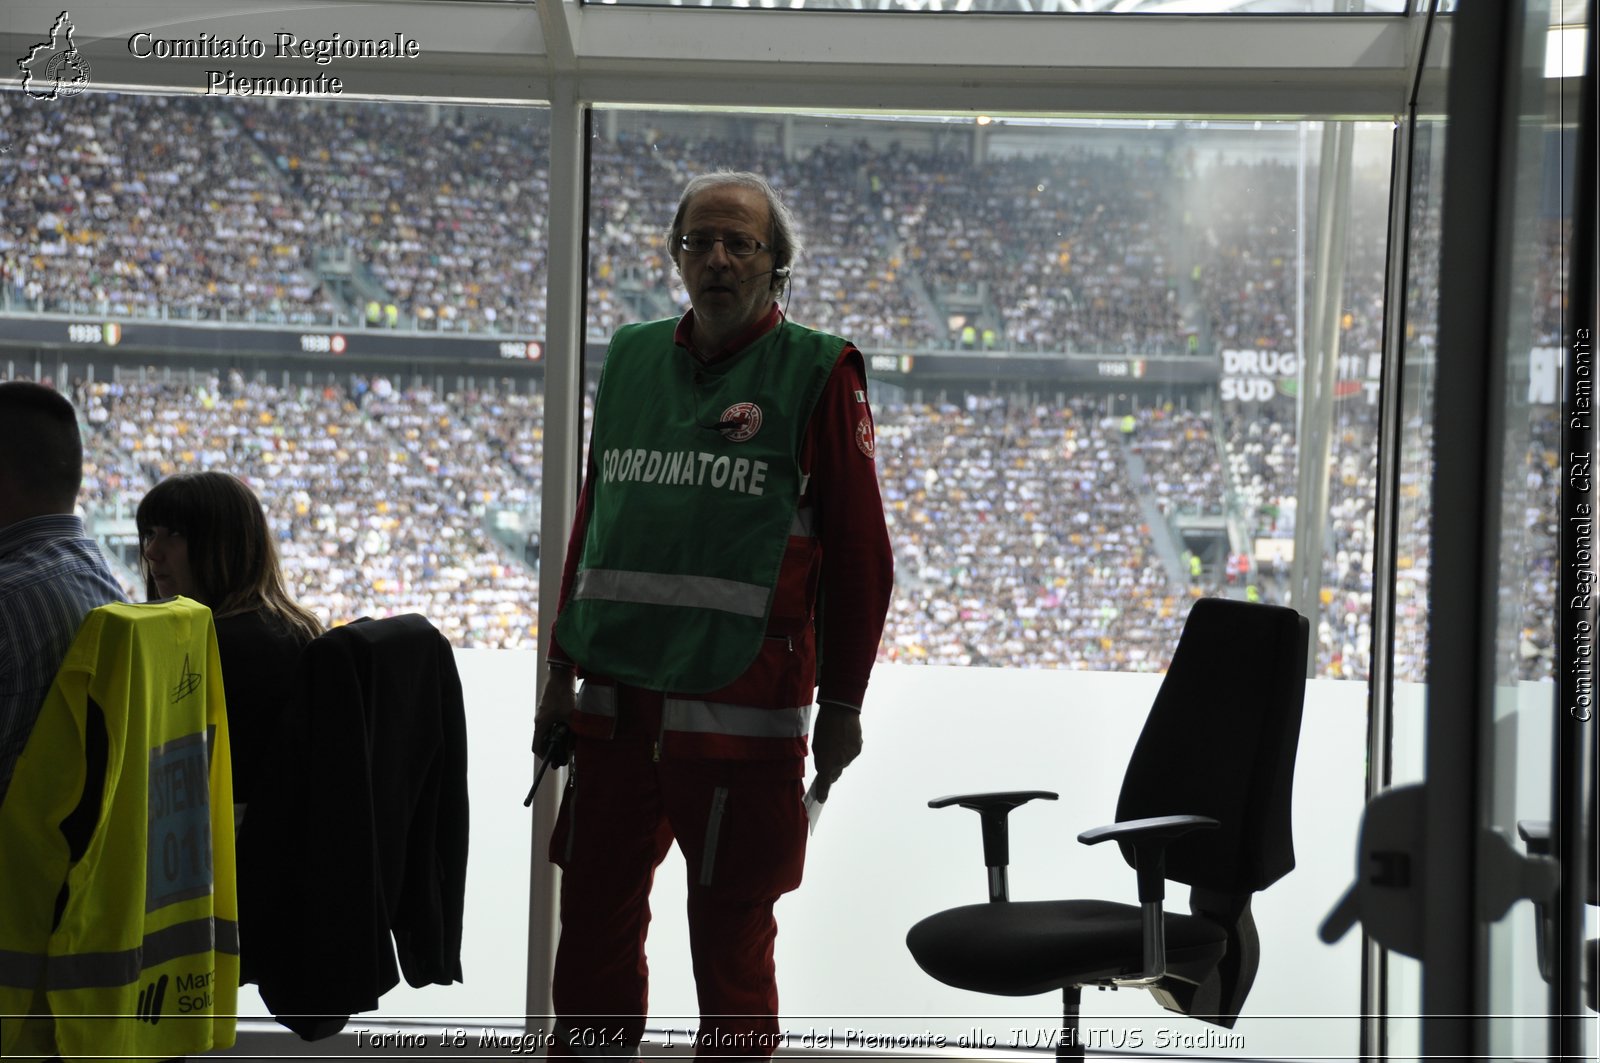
column 836, row 742
column 556, row 706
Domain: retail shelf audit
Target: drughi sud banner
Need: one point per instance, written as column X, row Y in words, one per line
column 1262, row 375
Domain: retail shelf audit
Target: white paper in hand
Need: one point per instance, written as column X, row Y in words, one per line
column 813, row 807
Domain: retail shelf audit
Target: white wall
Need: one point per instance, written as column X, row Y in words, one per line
column 881, row 860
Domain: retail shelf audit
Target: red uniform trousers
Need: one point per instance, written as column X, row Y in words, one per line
column 741, row 826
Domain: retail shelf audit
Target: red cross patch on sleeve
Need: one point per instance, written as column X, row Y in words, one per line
column 864, row 439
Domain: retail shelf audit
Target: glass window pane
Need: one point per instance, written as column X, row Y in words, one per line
column 1414, row 529
column 342, row 303
column 1078, row 274
column 1083, row 340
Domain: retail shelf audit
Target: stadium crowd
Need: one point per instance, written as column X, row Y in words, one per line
column 1019, row 539
column 1181, row 456
column 1020, row 534
column 371, row 519
column 433, row 217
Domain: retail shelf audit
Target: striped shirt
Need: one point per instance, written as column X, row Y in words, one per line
column 51, row 575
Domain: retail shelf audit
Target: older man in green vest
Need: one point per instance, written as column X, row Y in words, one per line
column 729, row 567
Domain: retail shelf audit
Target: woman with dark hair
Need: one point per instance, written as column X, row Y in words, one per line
column 204, row 535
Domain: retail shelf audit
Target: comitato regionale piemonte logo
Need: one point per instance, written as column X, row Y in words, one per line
column 55, row 68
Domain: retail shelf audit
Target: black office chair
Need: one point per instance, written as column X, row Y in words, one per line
column 1205, row 801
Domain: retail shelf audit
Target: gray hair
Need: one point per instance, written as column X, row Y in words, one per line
column 786, row 242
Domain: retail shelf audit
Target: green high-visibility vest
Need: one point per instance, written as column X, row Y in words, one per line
column 694, row 484
column 118, row 932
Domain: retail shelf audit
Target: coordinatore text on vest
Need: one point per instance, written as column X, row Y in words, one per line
column 694, row 468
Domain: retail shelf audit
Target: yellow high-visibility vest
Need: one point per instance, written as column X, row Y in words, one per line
column 118, row 933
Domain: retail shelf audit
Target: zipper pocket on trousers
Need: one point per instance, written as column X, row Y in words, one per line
column 708, row 859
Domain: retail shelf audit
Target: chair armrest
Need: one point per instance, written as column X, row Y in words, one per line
column 1149, row 838
column 992, row 810
column 1536, row 832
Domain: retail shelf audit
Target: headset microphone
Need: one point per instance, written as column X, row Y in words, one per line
column 781, row 273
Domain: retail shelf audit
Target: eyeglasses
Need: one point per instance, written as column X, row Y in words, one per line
column 737, row 246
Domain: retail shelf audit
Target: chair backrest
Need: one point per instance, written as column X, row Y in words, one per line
column 1220, row 741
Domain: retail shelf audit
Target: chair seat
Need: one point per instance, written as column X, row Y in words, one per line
column 1020, row 948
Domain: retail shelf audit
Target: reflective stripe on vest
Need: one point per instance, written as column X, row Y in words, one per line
column 746, row 721
column 90, row 970
column 655, row 588
column 597, row 700
column 706, row 717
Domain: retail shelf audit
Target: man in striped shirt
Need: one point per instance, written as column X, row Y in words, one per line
column 51, row 573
